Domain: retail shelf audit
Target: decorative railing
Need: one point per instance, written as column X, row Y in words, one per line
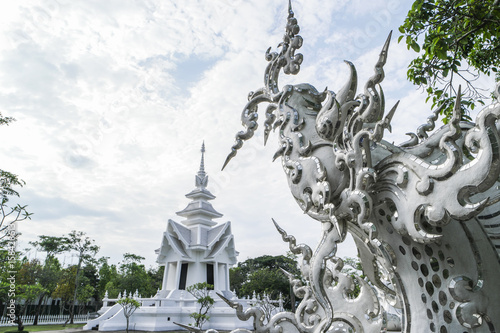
column 156, row 300
column 46, row 319
column 185, row 299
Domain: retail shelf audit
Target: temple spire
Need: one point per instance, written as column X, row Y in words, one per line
column 199, row 210
column 201, row 179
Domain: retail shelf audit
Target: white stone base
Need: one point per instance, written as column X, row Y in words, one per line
column 159, row 314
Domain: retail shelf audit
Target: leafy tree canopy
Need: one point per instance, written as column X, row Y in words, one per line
column 7, row 183
column 82, row 244
column 130, row 258
column 457, row 40
column 131, row 275
column 266, row 281
column 50, row 244
column 263, row 275
column 270, row 262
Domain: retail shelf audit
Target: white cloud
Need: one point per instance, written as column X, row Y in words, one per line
column 114, row 98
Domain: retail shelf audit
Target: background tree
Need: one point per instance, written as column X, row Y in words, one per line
column 134, row 276
column 156, row 279
column 201, row 291
column 48, row 277
column 86, row 251
column 51, row 245
column 25, row 295
column 108, row 274
column 28, row 287
column 49, row 274
column 457, row 40
column 65, row 288
column 4, row 275
column 90, row 283
column 94, row 276
column 131, row 276
column 266, row 281
column 9, row 262
column 85, row 290
column 8, row 182
column 129, row 306
column 263, row 275
column 237, row 277
column 10, row 214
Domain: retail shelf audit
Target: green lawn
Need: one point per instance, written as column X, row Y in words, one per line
column 39, row 328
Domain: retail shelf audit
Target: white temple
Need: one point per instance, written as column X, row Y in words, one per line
column 195, row 250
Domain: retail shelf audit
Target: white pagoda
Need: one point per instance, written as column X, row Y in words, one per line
column 195, row 250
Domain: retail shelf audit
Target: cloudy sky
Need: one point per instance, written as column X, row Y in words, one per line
column 114, row 98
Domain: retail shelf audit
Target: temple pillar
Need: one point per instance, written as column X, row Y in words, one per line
column 216, row 276
column 165, row 277
column 178, row 274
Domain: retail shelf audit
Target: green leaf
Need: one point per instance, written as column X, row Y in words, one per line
column 415, row 47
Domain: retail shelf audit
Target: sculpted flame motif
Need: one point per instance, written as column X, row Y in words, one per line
column 422, row 213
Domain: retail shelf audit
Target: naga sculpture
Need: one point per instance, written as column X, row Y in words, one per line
column 423, row 214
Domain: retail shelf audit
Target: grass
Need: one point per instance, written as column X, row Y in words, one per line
column 40, row 328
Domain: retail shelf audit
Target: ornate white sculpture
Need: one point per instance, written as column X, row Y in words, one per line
column 423, row 214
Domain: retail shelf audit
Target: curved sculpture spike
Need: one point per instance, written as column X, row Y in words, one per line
column 270, row 93
column 337, row 108
column 192, row 328
column 372, row 109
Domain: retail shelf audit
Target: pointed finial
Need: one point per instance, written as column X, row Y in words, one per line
column 201, row 178
column 202, row 163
